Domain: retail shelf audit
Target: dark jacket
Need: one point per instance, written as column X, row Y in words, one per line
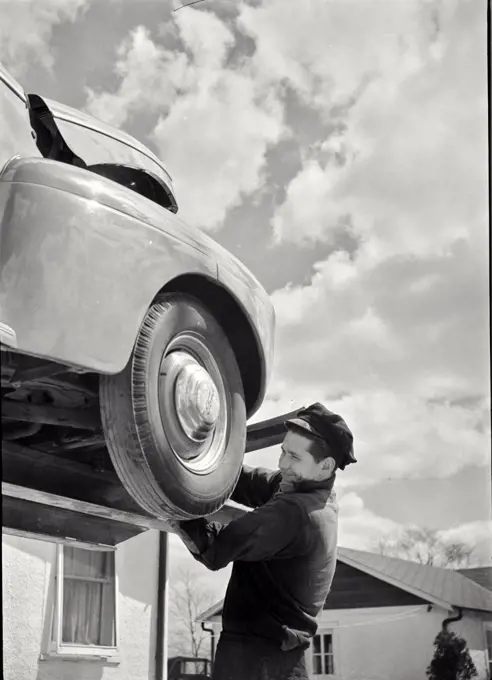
column 284, row 555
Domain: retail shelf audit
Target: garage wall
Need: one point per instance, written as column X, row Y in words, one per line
column 390, row 643
column 28, row 594
column 393, row 643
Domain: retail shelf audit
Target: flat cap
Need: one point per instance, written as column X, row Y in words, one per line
column 330, row 427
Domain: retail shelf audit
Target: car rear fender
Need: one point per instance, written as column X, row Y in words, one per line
column 82, row 258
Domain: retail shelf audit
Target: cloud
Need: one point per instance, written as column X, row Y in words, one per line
column 26, row 28
column 400, row 351
column 215, row 121
column 475, row 534
column 397, row 437
column 414, row 326
column 393, row 336
column 414, row 141
column 326, row 51
column 360, row 528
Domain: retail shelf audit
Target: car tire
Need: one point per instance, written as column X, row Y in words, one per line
column 174, row 419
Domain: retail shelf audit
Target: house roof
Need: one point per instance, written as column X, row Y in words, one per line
column 444, row 587
column 481, row 575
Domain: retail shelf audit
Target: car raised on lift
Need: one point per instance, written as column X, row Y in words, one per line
column 133, row 345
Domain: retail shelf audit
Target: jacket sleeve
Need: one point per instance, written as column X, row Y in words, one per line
column 256, row 486
column 274, row 531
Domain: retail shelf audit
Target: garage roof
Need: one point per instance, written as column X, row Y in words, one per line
column 444, row 587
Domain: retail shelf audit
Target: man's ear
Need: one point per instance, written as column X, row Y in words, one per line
column 329, row 465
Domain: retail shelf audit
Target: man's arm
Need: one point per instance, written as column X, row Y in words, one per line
column 256, row 486
column 273, row 531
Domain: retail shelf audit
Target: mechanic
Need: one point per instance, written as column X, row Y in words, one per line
column 284, row 551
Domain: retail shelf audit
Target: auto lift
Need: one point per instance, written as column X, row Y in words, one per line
column 95, row 511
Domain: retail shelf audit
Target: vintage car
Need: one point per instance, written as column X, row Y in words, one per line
column 131, row 342
column 188, row 668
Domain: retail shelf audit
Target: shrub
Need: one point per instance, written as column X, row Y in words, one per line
column 452, row 660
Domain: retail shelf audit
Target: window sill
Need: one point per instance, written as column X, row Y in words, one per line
column 110, row 657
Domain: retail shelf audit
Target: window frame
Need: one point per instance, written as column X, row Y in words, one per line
column 321, row 633
column 487, row 628
column 68, row 650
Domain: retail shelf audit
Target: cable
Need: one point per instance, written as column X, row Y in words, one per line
column 388, row 619
column 188, row 4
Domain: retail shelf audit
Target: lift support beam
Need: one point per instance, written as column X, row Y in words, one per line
column 96, row 511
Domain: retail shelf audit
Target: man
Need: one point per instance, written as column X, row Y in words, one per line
column 284, row 551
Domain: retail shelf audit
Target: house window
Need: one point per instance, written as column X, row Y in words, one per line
column 323, row 663
column 85, row 608
column 488, row 640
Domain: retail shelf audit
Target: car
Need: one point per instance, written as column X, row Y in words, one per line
column 131, row 342
column 188, row 668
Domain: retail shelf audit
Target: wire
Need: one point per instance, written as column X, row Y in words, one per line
column 380, row 620
column 188, row 4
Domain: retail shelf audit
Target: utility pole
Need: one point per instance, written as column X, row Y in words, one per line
column 162, row 609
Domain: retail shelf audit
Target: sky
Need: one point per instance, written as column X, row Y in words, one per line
column 339, row 149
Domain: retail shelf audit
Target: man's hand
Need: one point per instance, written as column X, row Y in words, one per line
column 177, row 527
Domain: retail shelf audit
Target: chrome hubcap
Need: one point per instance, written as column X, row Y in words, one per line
column 193, row 403
column 196, row 397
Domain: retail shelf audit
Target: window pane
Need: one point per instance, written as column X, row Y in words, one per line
column 488, row 634
column 328, row 664
column 317, row 644
column 88, row 613
column 327, row 644
column 88, row 563
column 317, row 669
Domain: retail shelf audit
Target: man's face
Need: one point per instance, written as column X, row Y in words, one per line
column 298, row 464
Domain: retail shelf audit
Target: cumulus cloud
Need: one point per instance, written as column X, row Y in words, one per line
column 215, row 120
column 395, row 437
column 477, row 535
column 359, row 528
column 408, row 180
column 395, row 335
column 26, row 27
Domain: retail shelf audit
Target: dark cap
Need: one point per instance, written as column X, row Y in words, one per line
column 330, row 427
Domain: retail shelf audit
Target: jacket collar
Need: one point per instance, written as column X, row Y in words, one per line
column 308, row 486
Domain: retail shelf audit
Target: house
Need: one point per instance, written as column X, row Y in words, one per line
column 382, row 615
column 79, row 613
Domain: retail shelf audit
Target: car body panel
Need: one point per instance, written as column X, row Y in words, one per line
column 97, row 144
column 75, row 282
column 82, row 257
column 236, row 278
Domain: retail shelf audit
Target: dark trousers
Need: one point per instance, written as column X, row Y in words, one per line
column 250, row 659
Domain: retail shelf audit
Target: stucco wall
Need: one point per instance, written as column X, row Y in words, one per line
column 391, row 643
column 28, row 590
column 390, row 647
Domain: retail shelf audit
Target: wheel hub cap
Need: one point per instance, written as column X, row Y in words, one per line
column 197, row 399
column 193, row 403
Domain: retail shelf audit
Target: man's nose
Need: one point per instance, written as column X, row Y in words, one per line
column 281, row 462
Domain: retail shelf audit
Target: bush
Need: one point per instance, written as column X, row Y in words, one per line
column 452, row 660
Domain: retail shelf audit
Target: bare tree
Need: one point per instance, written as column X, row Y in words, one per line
column 188, row 599
column 425, row 546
